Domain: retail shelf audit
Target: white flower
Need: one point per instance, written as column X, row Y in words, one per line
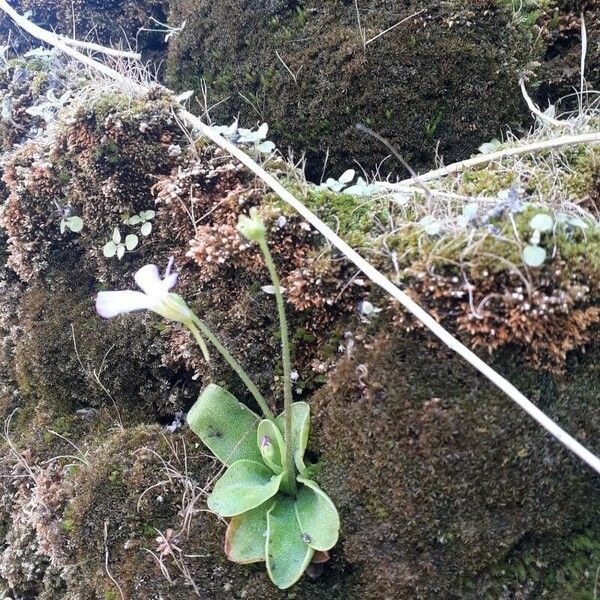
column 155, row 296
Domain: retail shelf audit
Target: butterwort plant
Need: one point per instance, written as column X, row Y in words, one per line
column 277, row 513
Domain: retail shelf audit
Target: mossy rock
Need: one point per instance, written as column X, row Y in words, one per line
column 67, row 359
column 131, row 497
column 445, row 80
column 108, row 21
column 559, row 75
column 471, row 479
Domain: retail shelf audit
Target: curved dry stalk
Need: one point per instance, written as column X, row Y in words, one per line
column 484, row 159
column 538, row 113
column 369, row 270
column 101, row 49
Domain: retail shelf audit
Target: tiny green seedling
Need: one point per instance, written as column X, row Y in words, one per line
column 533, row 254
column 143, row 219
column 337, row 185
column 74, row 224
column 240, row 135
column 117, row 247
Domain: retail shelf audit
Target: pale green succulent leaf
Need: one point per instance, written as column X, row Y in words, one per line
column 317, row 516
column 120, row 251
column 109, row 249
column 227, row 427
column 270, row 443
column 75, row 224
column 246, row 535
column 542, row 222
column 131, row 241
column 116, row 236
column 300, row 430
column 146, row 228
column 245, row 485
column 287, row 554
column 534, row 256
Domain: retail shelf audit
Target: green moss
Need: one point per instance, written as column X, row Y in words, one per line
column 148, row 530
column 553, row 566
column 437, row 90
column 66, row 523
column 485, row 182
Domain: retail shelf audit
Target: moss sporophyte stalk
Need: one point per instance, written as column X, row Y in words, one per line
column 277, row 513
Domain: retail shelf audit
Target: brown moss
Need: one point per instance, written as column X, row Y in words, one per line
column 471, row 475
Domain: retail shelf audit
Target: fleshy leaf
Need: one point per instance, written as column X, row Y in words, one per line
column 109, row 249
column 317, row 516
column 266, row 147
column 270, row 442
column 227, row 427
column 542, row 222
column 75, row 224
column 116, row 236
column 534, row 256
column 245, row 485
column 288, row 554
column 146, row 228
column 131, row 241
column 120, row 251
column 347, row 176
column 246, row 533
column 300, row 431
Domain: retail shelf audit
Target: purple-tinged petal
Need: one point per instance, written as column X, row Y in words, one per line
column 169, row 266
column 111, row 304
column 148, row 278
column 169, row 281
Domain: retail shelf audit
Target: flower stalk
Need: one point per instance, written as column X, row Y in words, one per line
column 253, row 228
column 286, row 358
column 199, row 324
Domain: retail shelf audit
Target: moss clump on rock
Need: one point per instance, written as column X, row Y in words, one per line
column 109, row 21
column 445, row 80
column 471, row 476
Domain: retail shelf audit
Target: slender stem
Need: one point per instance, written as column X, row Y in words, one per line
column 286, row 358
column 235, row 365
column 198, row 337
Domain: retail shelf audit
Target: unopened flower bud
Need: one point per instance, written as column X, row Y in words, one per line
column 252, row 227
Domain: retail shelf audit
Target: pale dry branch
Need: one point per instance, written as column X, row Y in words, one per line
column 486, row 159
column 538, row 113
column 367, row 42
column 106, row 560
column 91, row 46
